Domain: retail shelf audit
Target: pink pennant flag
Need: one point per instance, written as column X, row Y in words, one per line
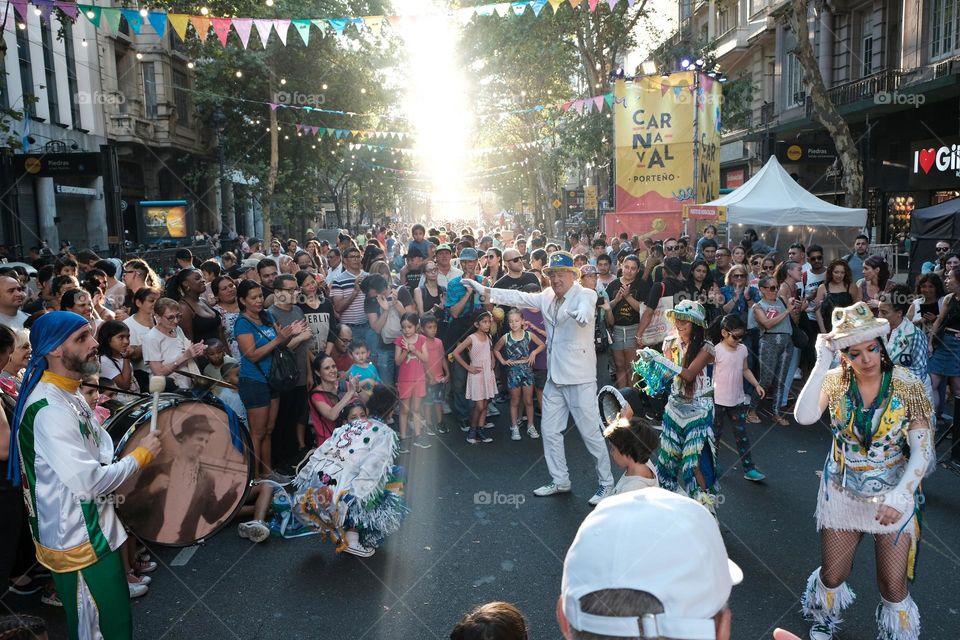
column 612, row 4
column 263, row 29
column 69, row 8
column 273, row 106
column 598, row 101
column 587, row 106
column 221, row 27
column 578, row 106
column 21, row 7
column 566, row 106
column 593, row 5
column 242, row 26
column 299, row 128
column 664, row 87
column 281, row 26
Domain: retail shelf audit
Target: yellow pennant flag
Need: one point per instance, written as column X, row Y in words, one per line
column 556, row 4
column 201, row 25
column 179, row 23
column 375, row 23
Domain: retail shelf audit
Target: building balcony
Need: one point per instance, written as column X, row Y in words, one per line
column 866, row 88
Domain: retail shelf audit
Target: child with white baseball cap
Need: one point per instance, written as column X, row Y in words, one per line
column 657, row 542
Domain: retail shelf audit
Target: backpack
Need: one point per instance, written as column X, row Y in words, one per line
column 284, row 370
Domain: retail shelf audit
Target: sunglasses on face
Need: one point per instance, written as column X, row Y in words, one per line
column 816, row 258
column 173, row 317
column 672, row 247
column 738, row 275
column 772, row 287
column 943, row 249
column 736, row 336
column 517, row 259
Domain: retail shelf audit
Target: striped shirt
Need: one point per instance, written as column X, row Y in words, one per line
column 341, row 288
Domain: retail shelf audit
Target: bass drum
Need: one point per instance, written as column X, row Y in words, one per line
column 196, row 484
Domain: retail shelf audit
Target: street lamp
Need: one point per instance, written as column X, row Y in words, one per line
column 219, row 124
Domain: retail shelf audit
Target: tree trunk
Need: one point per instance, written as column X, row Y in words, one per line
column 823, row 110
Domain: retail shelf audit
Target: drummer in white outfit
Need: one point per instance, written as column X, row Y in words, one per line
column 569, row 311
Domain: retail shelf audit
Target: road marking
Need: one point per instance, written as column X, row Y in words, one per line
column 182, row 558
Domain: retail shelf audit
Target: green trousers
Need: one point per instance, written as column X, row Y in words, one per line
column 96, row 600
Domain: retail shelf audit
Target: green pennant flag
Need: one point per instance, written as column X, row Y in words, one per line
column 303, row 28
column 91, row 12
column 113, row 18
column 608, row 98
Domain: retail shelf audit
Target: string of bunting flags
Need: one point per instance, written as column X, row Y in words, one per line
column 485, row 173
column 243, row 27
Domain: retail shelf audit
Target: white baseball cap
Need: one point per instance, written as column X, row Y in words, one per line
column 655, row 541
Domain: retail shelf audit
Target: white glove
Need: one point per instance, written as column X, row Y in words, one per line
column 901, row 497
column 825, row 349
column 473, row 284
column 580, row 316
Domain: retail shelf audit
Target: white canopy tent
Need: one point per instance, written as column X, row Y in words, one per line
column 783, row 212
column 772, row 198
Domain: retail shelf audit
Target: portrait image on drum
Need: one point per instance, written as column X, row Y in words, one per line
column 197, row 483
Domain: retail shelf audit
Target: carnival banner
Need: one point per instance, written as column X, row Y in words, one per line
column 709, row 97
column 655, row 125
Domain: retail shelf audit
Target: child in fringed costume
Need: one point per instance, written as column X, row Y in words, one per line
column 349, row 489
column 882, row 448
column 687, row 458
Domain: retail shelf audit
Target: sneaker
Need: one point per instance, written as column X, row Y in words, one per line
column 144, row 566
column 28, row 588
column 422, row 443
column 602, row 492
column 551, row 489
column 514, row 432
column 532, row 432
column 442, row 428
column 522, row 422
column 821, row 631
column 429, row 431
column 485, row 437
column 492, row 411
column 754, row 476
column 465, row 425
column 488, row 425
column 402, row 448
column 472, row 437
column 133, row 578
column 137, row 590
column 255, row 530
column 355, row 548
column 51, row 598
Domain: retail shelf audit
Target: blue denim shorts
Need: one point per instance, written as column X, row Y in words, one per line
column 435, row 393
column 255, row 394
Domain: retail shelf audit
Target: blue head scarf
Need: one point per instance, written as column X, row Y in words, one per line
column 47, row 333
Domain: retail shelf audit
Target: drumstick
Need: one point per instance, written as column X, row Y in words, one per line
column 157, row 385
column 106, row 387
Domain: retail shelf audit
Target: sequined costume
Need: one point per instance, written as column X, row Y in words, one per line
column 687, row 442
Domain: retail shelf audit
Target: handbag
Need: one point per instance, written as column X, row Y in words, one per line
column 798, row 336
column 659, row 326
column 284, row 371
column 391, row 330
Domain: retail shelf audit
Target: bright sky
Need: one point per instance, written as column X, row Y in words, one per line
column 442, row 119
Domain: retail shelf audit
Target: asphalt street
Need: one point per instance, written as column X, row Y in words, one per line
column 476, row 534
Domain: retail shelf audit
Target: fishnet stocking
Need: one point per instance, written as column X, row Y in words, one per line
column 837, row 549
column 891, row 557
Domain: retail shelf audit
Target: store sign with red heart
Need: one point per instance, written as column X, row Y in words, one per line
column 936, row 163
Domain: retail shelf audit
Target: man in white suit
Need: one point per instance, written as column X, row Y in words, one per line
column 568, row 312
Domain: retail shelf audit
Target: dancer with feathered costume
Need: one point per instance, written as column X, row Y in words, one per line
column 687, row 458
column 350, row 488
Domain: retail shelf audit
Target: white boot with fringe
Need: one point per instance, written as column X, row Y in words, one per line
column 823, row 606
column 898, row 620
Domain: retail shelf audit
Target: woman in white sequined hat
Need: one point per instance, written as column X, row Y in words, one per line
column 882, row 447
